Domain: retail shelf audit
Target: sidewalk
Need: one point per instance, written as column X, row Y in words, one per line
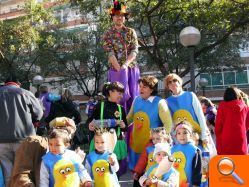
column 126, row 180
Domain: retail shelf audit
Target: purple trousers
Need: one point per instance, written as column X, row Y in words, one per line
column 129, row 78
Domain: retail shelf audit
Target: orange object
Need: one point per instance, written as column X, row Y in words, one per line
column 229, row 171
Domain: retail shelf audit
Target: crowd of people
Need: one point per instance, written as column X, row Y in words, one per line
column 162, row 141
column 154, row 130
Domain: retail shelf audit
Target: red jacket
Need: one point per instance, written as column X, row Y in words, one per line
column 142, row 161
column 231, row 125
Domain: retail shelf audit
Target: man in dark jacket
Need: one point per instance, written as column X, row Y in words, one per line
column 18, row 109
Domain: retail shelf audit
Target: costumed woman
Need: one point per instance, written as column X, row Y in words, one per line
column 185, row 106
column 148, row 111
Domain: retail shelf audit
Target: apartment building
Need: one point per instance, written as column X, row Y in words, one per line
column 73, row 20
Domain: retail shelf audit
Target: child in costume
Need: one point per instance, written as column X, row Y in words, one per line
column 167, row 178
column 158, row 135
column 110, row 109
column 61, row 167
column 187, row 156
column 102, row 164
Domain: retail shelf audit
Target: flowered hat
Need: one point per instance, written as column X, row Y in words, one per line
column 118, row 8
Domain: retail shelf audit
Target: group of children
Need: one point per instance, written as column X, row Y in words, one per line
column 63, row 167
column 179, row 154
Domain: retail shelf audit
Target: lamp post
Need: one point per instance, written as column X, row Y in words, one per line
column 190, row 37
column 37, row 80
column 203, row 82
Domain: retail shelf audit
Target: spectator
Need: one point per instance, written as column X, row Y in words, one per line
column 64, row 108
column 46, row 98
column 18, row 109
column 246, row 100
column 90, row 106
column 232, row 123
column 209, row 110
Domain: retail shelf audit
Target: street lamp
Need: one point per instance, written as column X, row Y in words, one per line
column 37, row 80
column 203, row 82
column 190, row 37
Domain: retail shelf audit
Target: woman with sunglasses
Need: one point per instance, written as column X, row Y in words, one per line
column 185, row 106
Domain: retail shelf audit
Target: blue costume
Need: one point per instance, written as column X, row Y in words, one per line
column 186, row 107
column 164, row 177
column 93, row 157
column 168, row 178
column 63, row 164
column 146, row 116
column 185, row 155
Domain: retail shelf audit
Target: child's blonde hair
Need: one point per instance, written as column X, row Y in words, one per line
column 100, row 131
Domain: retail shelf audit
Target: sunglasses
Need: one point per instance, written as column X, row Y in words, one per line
column 171, row 81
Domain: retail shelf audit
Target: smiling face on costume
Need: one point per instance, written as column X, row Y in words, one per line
column 118, row 20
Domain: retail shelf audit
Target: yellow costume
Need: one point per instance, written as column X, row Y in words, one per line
column 141, row 132
column 101, row 173
column 179, row 165
column 151, row 161
column 184, row 115
column 65, row 174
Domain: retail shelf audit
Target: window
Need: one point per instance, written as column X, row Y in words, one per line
column 208, row 77
column 229, row 78
column 217, row 79
column 241, row 77
column 225, row 78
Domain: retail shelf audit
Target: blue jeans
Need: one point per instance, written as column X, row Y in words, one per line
column 7, row 157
